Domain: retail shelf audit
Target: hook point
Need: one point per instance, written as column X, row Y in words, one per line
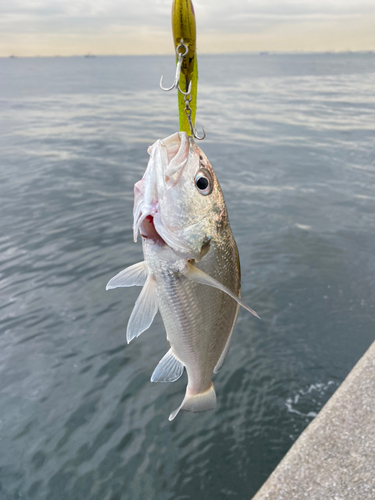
column 196, row 135
column 161, row 85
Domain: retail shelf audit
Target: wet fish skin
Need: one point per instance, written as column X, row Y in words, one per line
column 198, row 319
column 191, row 271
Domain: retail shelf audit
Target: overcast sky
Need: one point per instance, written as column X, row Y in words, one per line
column 68, row 27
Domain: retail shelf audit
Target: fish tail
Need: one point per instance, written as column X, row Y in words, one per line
column 198, row 402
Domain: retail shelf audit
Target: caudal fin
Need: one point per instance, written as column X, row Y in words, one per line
column 197, row 402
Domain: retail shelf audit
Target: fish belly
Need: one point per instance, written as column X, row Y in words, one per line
column 198, row 318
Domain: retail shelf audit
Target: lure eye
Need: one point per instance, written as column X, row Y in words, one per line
column 203, row 182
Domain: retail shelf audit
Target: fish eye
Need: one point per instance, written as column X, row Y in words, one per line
column 203, row 182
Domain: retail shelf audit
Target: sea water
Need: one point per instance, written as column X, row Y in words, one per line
column 292, row 141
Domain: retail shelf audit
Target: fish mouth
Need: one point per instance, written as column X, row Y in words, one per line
column 151, row 228
column 148, row 231
column 168, row 158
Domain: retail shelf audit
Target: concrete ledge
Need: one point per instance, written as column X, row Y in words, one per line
column 334, row 458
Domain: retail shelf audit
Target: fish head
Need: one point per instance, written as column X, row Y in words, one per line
column 179, row 202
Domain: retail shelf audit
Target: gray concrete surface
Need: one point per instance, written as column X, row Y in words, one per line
column 334, row 458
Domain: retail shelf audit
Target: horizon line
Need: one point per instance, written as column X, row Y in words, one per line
column 236, row 52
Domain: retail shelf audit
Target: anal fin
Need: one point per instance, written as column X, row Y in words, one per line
column 169, row 369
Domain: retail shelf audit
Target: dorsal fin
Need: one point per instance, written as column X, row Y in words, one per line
column 223, row 355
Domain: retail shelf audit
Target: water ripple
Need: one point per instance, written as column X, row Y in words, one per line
column 291, row 140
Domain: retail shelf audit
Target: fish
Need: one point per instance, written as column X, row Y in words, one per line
column 191, row 268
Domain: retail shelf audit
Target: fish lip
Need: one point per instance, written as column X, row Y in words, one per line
column 148, row 231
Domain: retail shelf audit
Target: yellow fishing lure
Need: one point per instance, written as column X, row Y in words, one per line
column 184, row 28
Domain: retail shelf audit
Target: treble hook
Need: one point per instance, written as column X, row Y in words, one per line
column 176, row 83
column 193, row 130
column 196, row 135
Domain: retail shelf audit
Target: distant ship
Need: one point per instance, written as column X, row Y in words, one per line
column 89, row 55
column 12, row 56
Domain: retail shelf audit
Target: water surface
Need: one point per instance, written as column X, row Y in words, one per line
column 291, row 139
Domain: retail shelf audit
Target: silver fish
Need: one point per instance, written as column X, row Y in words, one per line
column 191, row 269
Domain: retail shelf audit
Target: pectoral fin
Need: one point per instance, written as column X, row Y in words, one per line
column 144, row 310
column 199, row 276
column 169, row 369
column 135, row 275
